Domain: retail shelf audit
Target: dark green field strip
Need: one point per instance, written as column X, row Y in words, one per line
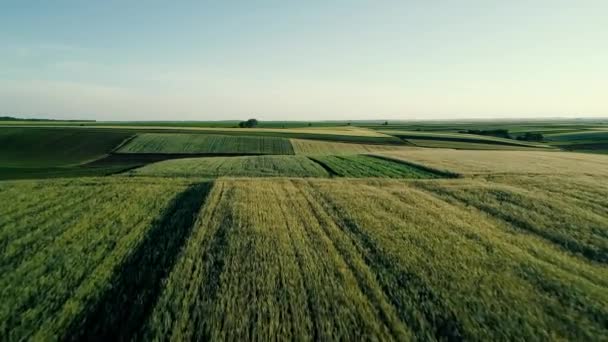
column 249, row 166
column 460, row 139
column 588, row 136
column 62, row 242
column 360, row 166
column 48, row 147
column 207, row 143
column 8, row 173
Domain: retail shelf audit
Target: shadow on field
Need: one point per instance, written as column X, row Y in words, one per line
column 122, row 310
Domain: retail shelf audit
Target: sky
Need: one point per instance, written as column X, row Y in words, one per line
column 303, row 60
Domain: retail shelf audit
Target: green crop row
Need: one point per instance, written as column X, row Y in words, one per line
column 248, row 166
column 207, row 144
column 361, row 166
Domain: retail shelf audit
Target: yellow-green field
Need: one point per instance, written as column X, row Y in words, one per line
column 364, row 239
column 500, row 162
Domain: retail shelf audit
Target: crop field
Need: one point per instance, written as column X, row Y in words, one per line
column 315, row 147
column 461, row 138
column 460, row 145
column 206, row 144
column 360, row 166
column 185, row 235
column 63, row 240
column 248, row 166
column 505, row 162
column 330, row 260
column 27, row 147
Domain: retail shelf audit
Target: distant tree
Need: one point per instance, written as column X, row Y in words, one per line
column 309, row 124
column 348, row 124
column 248, row 124
column 385, row 123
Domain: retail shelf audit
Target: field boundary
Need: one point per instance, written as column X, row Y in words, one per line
column 443, row 173
column 329, row 170
column 120, row 312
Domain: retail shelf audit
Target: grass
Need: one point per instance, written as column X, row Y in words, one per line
column 359, row 166
column 314, row 147
column 206, row 144
column 52, row 147
column 248, row 166
column 343, row 260
column 506, row 162
column 63, row 243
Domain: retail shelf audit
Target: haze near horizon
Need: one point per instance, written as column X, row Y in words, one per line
column 340, row 60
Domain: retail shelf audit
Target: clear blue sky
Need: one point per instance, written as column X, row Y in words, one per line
column 307, row 60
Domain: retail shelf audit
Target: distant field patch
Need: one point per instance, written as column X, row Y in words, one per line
column 247, row 166
column 460, row 138
column 359, row 166
column 501, row 162
column 203, row 143
column 459, row 145
column 315, row 147
column 47, row 147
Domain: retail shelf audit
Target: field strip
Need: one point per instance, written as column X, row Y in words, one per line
column 56, row 272
column 275, row 249
column 451, row 238
column 121, row 311
column 180, row 143
column 328, row 169
column 535, row 213
column 412, row 287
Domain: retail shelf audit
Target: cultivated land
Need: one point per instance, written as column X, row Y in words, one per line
column 313, row 147
column 206, row 144
column 254, row 166
column 510, row 162
column 360, row 166
column 459, row 244
column 56, row 152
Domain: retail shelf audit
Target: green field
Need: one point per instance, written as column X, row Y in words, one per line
column 63, row 242
column 340, row 260
column 57, row 152
column 315, row 147
column 202, row 233
column 33, row 147
column 361, row 166
column 249, row 166
column 206, row 144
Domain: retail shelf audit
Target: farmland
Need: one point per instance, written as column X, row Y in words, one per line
column 373, row 247
column 60, row 251
column 21, row 147
column 252, row 166
column 191, row 234
column 206, row 144
column 366, row 166
column 315, row 147
column 509, row 162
